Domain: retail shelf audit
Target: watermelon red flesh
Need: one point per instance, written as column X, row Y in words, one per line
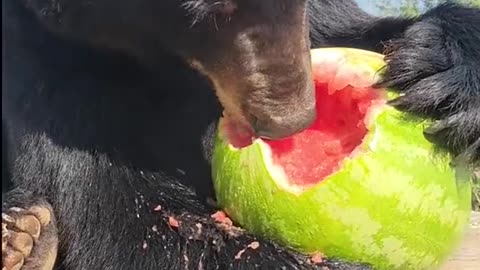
column 311, row 155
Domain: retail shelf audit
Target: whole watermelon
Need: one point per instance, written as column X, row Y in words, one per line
column 362, row 183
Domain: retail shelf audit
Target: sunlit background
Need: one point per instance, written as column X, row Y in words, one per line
column 403, row 7
column 413, row 8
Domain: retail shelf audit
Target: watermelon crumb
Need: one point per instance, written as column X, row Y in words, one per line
column 225, row 223
column 173, row 222
column 317, row 258
column 221, row 217
column 254, row 245
column 238, row 256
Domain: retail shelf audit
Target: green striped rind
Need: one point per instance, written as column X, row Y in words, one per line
column 394, row 205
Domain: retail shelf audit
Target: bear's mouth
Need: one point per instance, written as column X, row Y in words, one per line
column 240, row 134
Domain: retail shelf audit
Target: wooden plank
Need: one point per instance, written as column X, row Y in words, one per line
column 467, row 256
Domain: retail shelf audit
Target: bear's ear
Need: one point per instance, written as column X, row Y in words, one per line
column 200, row 9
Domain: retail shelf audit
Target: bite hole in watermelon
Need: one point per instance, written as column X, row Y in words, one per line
column 340, row 126
column 344, row 98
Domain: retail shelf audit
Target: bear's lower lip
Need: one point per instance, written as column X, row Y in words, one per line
column 241, row 135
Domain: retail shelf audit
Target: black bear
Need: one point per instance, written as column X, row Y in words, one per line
column 109, row 109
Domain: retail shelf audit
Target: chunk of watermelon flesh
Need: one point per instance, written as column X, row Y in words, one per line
column 317, row 152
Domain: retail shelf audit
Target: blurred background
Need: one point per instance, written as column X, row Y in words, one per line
column 404, row 7
column 414, row 8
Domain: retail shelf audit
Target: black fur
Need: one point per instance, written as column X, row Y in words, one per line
column 435, row 65
column 108, row 136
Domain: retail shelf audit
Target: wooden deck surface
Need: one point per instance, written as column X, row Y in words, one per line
column 467, row 256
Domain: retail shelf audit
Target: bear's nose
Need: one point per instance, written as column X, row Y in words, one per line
column 275, row 128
